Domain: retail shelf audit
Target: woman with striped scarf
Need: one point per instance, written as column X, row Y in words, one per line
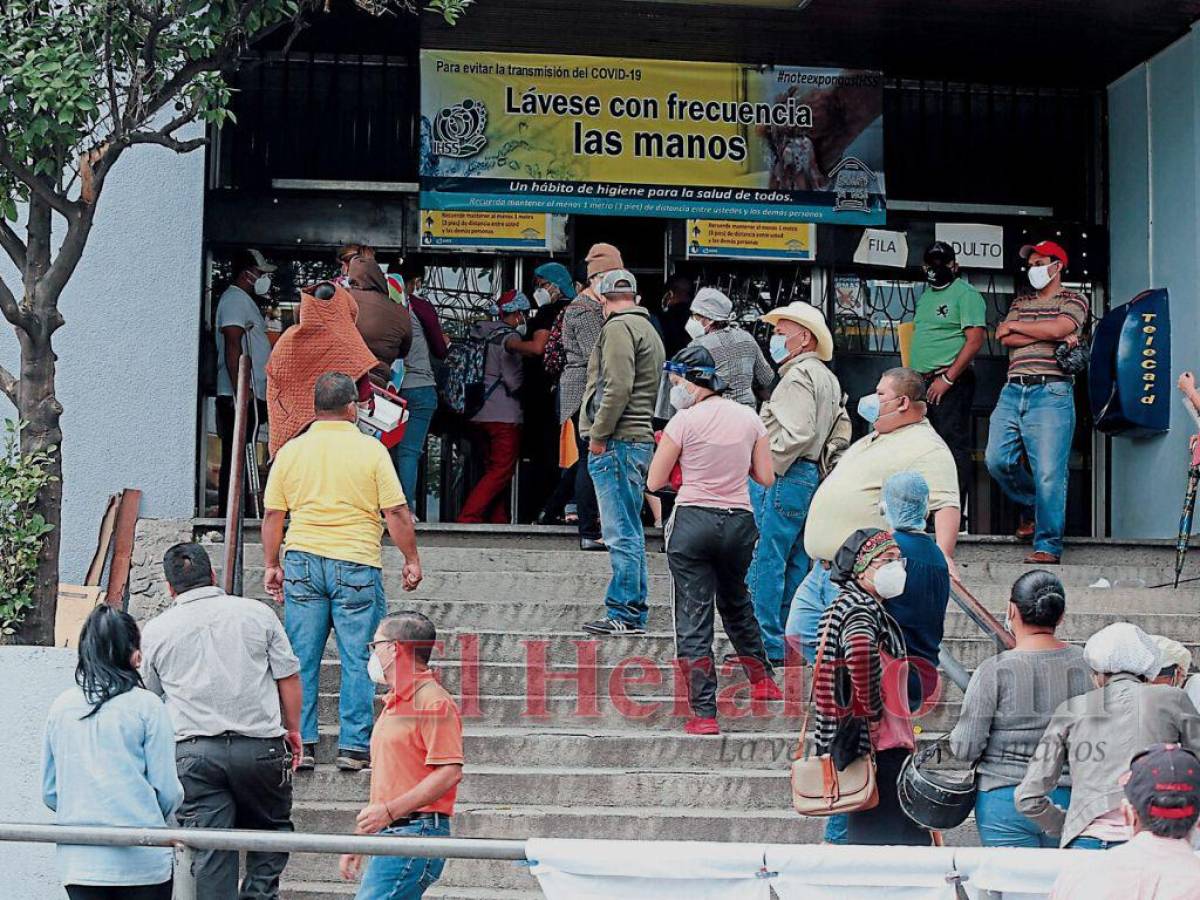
column 858, row 641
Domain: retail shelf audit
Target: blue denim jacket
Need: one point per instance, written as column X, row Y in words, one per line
column 114, row 768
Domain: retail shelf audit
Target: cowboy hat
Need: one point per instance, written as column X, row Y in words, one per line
column 810, row 317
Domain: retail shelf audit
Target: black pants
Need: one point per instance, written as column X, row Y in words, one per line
column 232, row 781
column 709, row 551
column 226, row 413
column 120, row 892
column 585, row 492
column 951, row 418
column 564, row 493
column 886, row 823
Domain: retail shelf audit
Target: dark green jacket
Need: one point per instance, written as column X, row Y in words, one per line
column 623, row 377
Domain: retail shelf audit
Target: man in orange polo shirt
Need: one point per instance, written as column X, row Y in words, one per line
column 416, row 760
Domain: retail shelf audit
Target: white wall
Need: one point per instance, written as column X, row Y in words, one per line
column 1154, row 212
column 127, row 354
column 43, row 673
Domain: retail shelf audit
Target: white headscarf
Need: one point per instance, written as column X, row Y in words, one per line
column 1172, row 653
column 1122, row 647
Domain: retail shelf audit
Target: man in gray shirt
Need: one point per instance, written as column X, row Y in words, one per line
column 232, row 687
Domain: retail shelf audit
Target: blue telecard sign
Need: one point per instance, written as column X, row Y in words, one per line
column 1130, row 376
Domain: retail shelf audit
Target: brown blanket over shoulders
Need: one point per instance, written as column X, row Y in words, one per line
column 326, row 340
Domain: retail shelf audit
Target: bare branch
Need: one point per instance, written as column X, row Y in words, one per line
column 64, row 207
column 10, row 308
column 13, row 245
column 165, row 140
column 8, row 385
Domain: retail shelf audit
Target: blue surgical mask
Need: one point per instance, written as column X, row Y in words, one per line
column 779, row 350
column 868, row 408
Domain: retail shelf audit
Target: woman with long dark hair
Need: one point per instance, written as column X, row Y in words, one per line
column 109, row 759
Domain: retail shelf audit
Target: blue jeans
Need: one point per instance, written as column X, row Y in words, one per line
column 401, row 877
column 1001, row 825
column 619, row 474
column 780, row 562
column 809, row 603
column 318, row 594
column 422, row 404
column 1040, row 420
column 1091, row 843
column 836, row 831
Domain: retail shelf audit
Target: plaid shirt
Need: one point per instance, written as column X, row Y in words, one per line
column 740, row 361
column 582, row 320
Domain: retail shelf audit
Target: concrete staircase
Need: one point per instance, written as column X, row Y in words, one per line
column 542, row 760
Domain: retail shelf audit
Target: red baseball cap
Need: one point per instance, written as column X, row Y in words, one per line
column 1045, row 248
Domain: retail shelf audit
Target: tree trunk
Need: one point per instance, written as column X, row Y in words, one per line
column 41, row 411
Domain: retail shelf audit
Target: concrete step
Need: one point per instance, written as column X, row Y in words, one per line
column 778, row 824
column 507, row 876
column 647, row 656
column 663, row 711
column 584, row 747
column 294, row 889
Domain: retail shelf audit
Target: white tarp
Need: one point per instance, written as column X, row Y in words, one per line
column 1017, row 874
column 824, row 872
column 633, row 870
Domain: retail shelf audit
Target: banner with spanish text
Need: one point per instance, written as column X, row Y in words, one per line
column 588, row 135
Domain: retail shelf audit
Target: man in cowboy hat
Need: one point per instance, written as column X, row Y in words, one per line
column 800, row 417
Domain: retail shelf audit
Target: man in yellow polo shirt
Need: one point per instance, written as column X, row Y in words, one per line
column 335, row 481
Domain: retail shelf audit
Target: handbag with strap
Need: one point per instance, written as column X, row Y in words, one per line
column 818, row 788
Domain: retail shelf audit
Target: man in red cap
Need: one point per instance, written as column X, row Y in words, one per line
column 1162, row 804
column 1035, row 415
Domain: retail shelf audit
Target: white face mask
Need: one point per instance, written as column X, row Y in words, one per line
column 681, row 396
column 1039, row 276
column 375, row 670
column 262, row 285
column 694, row 329
column 890, row 579
column 522, row 328
column 541, row 296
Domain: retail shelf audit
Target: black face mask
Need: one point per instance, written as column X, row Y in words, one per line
column 939, row 276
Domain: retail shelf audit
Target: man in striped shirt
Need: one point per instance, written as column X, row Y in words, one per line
column 1035, row 415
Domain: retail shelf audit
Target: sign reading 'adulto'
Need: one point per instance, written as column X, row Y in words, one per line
column 574, row 134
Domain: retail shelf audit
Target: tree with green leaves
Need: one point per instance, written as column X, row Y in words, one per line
column 83, row 82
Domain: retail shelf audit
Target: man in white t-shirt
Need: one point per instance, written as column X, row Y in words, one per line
column 240, row 328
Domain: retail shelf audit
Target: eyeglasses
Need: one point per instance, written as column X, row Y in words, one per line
column 383, row 643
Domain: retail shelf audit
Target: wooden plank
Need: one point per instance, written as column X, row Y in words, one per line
column 95, row 572
column 123, row 537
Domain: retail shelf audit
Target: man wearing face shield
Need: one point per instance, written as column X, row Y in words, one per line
column 240, row 328
column 951, row 325
column 1035, row 415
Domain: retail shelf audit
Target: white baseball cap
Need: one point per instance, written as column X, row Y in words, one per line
column 617, row 281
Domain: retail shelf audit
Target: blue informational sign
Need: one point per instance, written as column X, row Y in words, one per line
column 1130, row 376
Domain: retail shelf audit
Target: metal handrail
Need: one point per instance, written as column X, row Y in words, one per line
column 231, row 574
column 981, row 616
column 187, row 840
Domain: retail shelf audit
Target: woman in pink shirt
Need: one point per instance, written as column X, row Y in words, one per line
column 718, row 443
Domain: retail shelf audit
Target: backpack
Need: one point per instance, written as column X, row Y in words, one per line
column 554, row 355
column 460, row 380
column 837, row 442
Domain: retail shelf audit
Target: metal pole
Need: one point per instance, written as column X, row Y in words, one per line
column 231, row 575
column 954, row 670
column 184, row 887
column 265, row 841
column 981, row 616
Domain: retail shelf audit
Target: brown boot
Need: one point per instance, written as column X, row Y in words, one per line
column 1024, row 531
column 1041, row 557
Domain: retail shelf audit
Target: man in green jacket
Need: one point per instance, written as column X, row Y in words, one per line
column 623, row 376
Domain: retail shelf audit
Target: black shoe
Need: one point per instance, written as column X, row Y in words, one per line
column 592, row 544
column 353, row 760
column 308, row 758
column 612, row 627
